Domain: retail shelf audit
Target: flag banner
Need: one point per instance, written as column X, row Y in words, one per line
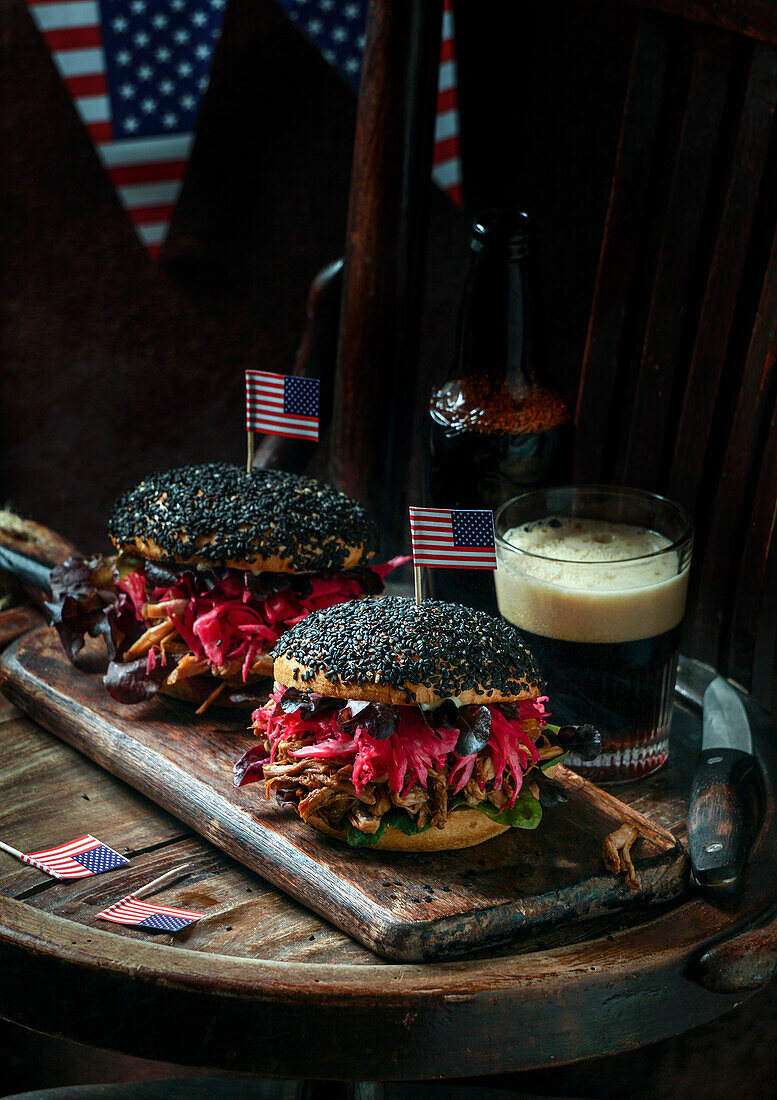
column 337, row 29
column 453, row 538
column 77, row 859
column 136, row 71
column 282, row 404
column 144, row 914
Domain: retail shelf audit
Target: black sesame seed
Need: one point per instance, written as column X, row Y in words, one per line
column 218, row 513
column 444, row 647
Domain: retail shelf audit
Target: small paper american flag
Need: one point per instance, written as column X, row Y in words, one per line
column 144, row 914
column 77, row 859
column 453, row 538
column 282, row 404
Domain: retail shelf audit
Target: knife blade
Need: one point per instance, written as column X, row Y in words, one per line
column 720, row 809
column 26, row 569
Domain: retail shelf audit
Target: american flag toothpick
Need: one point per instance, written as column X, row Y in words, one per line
column 451, row 538
column 77, row 859
column 281, row 404
column 141, row 914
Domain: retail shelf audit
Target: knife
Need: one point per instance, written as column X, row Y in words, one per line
column 720, row 811
column 26, row 569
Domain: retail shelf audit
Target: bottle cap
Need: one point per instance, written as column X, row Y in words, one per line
column 512, row 230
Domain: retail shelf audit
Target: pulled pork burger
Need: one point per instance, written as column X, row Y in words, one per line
column 213, row 565
column 408, row 727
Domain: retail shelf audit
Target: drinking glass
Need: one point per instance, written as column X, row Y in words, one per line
column 595, row 578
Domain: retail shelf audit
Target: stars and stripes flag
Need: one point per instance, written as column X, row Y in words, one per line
column 77, row 859
column 144, row 914
column 337, row 28
column 136, row 71
column 453, row 538
column 282, row 404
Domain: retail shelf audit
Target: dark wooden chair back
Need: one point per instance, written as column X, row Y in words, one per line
column 678, row 385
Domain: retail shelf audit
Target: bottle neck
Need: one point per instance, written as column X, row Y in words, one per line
column 499, row 334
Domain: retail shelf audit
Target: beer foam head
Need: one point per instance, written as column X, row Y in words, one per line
column 587, row 580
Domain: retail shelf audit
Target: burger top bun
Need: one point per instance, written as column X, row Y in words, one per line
column 262, row 521
column 463, row 829
column 393, row 650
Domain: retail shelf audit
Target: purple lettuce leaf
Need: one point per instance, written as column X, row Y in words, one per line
column 551, row 792
column 584, row 740
column 122, row 627
column 81, row 591
column 474, row 725
column 130, row 682
column 250, row 766
column 379, row 720
column 293, row 700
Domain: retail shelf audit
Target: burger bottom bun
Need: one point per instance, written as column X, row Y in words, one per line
column 307, row 679
column 464, row 829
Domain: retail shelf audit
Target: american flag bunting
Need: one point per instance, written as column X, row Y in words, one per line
column 144, row 914
column 136, row 71
column 337, row 28
column 282, row 404
column 76, row 859
column 453, row 538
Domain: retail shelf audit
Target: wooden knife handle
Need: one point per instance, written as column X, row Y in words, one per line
column 739, row 965
column 719, row 825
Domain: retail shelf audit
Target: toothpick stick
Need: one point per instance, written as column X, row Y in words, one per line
column 11, row 851
column 250, row 453
column 419, row 595
column 141, row 893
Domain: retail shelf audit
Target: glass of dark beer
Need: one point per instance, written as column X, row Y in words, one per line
column 595, row 578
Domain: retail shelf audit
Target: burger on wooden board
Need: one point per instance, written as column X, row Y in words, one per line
column 213, row 565
column 408, row 727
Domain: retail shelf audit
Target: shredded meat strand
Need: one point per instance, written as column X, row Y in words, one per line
column 325, row 794
column 617, row 853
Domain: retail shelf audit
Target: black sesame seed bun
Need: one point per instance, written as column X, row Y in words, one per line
column 392, row 650
column 464, row 828
column 265, row 521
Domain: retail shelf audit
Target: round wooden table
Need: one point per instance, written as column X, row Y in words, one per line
column 261, row 984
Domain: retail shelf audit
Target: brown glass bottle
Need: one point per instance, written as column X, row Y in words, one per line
column 496, row 428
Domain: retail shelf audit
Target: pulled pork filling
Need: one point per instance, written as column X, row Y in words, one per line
column 166, row 623
column 354, row 765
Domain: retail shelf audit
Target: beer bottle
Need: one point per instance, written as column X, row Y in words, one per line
column 496, row 428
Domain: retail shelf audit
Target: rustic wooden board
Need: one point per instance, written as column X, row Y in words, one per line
column 406, row 908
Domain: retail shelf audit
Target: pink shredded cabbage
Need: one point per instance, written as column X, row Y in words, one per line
column 229, row 622
column 407, row 756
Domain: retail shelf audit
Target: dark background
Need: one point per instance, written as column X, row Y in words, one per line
column 113, row 366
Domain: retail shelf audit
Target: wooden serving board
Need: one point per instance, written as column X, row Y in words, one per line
column 409, row 908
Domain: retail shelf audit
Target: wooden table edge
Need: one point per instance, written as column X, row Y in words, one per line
column 360, row 1022
column 47, row 934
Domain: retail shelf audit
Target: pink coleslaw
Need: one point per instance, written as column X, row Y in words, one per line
column 229, row 623
column 407, row 756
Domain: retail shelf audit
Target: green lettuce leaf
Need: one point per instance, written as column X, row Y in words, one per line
column 552, row 762
column 525, row 814
column 396, row 818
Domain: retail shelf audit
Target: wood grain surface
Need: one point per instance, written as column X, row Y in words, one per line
column 261, row 970
column 409, row 908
